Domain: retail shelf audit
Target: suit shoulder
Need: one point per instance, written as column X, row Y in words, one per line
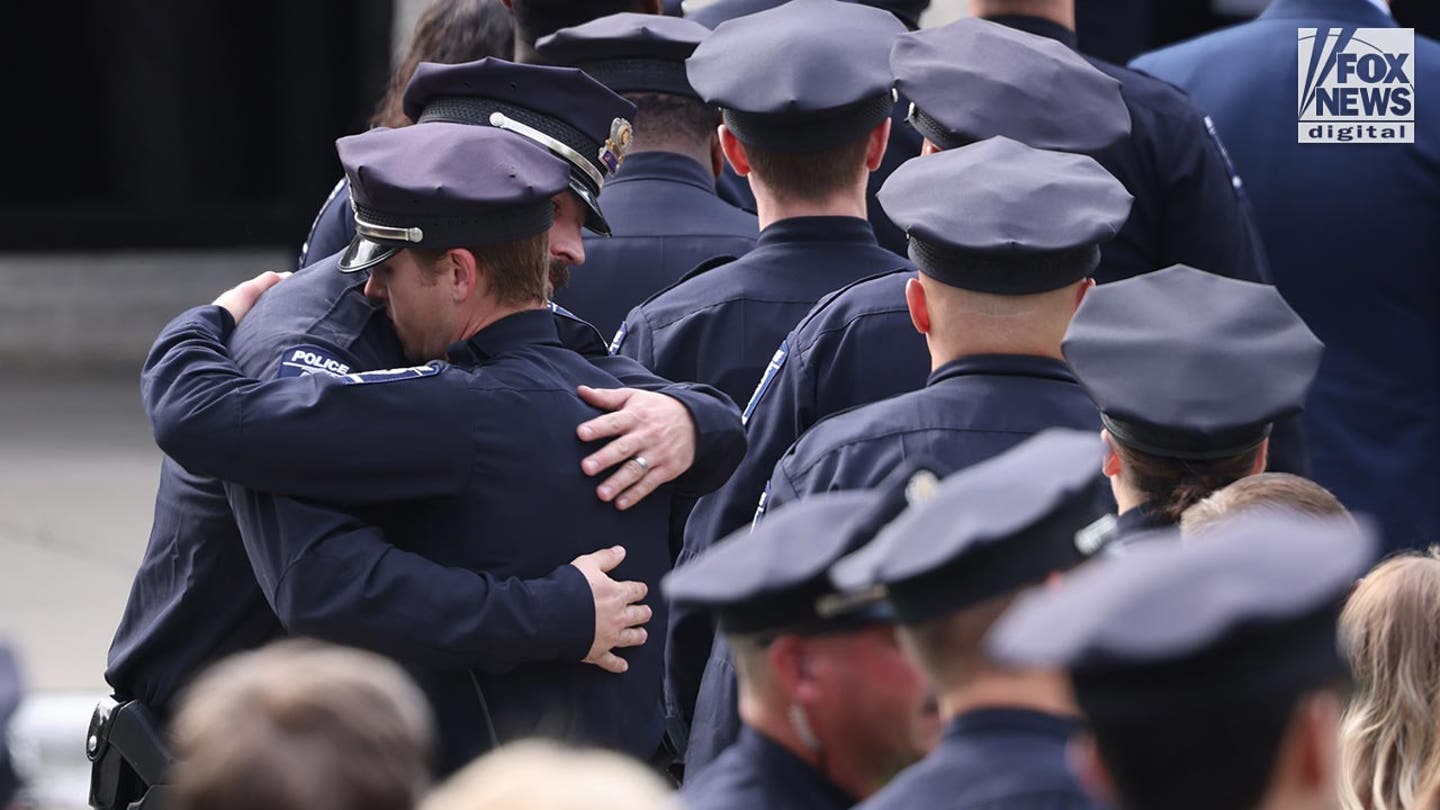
column 856, row 425
column 881, row 293
column 677, row 292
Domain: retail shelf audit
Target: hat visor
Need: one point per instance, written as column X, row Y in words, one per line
column 363, row 253
column 594, row 217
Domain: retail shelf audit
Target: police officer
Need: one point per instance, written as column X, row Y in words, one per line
column 471, row 465
column 438, row 92
column 805, row 94
column 904, row 142
column 179, row 620
column 1190, row 370
column 1208, row 672
column 858, row 345
column 971, row 80
column 950, row 565
column 1006, row 238
column 830, row 707
column 664, row 216
column 1365, row 283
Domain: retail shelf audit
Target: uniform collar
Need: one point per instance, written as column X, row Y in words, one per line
column 1358, row 12
column 1140, row 520
column 830, row 230
column 1014, row 365
column 664, row 166
column 798, row 777
column 1040, row 27
column 1011, row 720
column 528, row 328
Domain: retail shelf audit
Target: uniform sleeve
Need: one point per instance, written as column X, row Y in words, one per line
column 719, row 434
column 329, row 575
column 774, row 416
column 717, row 710
column 1206, row 221
column 332, row 229
column 314, row 436
column 779, row 410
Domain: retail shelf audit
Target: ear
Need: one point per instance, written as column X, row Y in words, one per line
column 879, row 139
column 1082, row 290
column 915, row 301
column 1111, row 465
column 1089, row 768
column 462, row 272
column 717, row 156
column 734, row 151
column 1262, row 458
column 928, row 147
column 789, row 664
column 1316, row 724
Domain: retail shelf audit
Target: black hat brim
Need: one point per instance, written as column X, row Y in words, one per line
column 363, row 253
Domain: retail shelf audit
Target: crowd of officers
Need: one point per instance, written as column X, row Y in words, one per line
column 926, row 466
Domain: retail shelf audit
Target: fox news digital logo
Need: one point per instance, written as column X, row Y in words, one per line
column 1357, row 85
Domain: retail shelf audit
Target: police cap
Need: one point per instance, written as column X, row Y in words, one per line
column 1249, row 611
column 1191, row 365
column 775, row 578
column 629, row 52
column 566, row 111
column 974, row 79
column 1000, row 217
column 802, row 77
column 1006, row 522
column 443, row 186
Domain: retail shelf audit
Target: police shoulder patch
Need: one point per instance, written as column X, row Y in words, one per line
column 394, row 374
column 298, row 361
column 777, row 362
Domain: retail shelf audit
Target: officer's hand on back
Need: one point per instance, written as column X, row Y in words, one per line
column 618, row 615
column 239, row 299
column 654, row 442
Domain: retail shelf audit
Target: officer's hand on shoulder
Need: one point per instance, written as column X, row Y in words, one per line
column 239, row 299
column 618, row 614
column 653, row 442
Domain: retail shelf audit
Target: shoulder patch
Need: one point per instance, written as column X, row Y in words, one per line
column 298, row 361
column 394, row 374
column 777, row 362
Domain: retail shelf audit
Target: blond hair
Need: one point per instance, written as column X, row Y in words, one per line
column 1390, row 732
column 1272, row 491
column 542, row 775
column 301, row 725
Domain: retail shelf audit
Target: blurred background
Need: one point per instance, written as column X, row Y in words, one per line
column 162, row 150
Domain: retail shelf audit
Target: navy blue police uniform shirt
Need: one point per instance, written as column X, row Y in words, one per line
column 1365, row 283
column 992, row 758
column 434, row 442
column 178, row 619
column 721, row 325
column 756, row 772
column 858, row 345
column 665, row 219
column 971, row 409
